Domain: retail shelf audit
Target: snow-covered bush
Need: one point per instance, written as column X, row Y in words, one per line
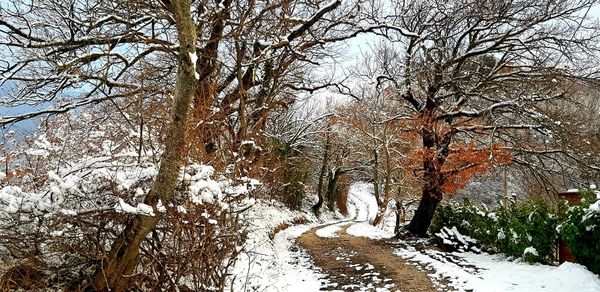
column 529, row 231
column 581, row 230
column 450, row 239
column 70, row 223
column 468, row 219
column 61, row 216
column 524, row 230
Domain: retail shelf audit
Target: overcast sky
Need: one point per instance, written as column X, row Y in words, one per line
column 351, row 54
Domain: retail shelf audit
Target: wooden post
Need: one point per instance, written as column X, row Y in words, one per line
column 505, row 200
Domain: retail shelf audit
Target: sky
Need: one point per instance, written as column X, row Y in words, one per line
column 353, row 52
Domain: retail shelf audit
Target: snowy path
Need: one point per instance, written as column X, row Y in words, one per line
column 354, row 263
column 278, row 264
column 474, row 272
column 281, row 264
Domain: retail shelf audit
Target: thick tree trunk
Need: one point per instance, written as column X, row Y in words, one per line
column 431, row 193
column 436, row 151
column 424, row 214
column 123, row 256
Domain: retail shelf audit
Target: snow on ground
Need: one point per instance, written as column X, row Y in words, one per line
column 469, row 271
column 275, row 264
column 495, row 273
column 279, row 265
column 330, row 231
column 293, row 276
column 362, row 205
column 361, row 198
column 365, row 229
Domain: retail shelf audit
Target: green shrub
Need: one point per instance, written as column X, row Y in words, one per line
column 581, row 231
column 453, row 215
column 468, row 220
column 531, row 225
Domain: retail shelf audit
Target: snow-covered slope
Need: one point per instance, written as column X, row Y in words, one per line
column 268, row 264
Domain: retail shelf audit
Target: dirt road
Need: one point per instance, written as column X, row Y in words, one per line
column 361, row 264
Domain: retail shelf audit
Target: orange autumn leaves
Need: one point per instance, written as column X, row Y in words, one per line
column 466, row 156
column 464, row 160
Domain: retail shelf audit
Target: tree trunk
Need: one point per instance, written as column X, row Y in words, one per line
column 424, row 214
column 400, row 215
column 317, row 207
column 379, row 216
column 376, row 178
column 431, row 193
column 381, row 208
column 436, row 151
column 123, row 256
column 383, row 204
column 334, row 175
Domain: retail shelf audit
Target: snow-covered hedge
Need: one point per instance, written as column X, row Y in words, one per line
column 581, row 230
column 525, row 231
column 531, row 230
column 68, row 225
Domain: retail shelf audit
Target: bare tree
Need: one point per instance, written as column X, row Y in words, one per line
column 123, row 256
column 293, row 144
column 480, row 72
column 252, row 57
column 233, row 61
column 575, row 129
column 336, row 158
column 383, row 138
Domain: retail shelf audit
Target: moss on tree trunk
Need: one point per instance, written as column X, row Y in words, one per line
column 124, row 254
